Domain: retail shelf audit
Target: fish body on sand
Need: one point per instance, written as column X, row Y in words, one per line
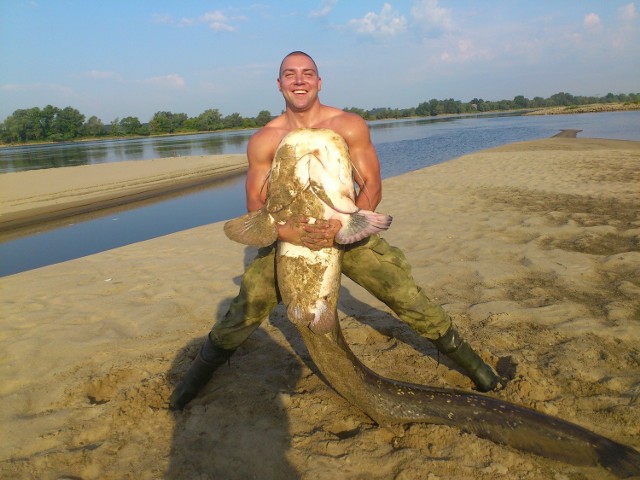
column 312, row 176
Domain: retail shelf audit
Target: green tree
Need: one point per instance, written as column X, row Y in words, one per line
column 23, row 125
column 562, row 99
column 233, row 121
column 520, row 101
column 263, row 118
column 423, row 109
column 114, row 127
column 94, row 127
column 162, row 122
column 130, row 125
column 14, row 127
column 47, row 116
column 538, row 102
column 167, row 122
column 358, row 111
column 209, row 120
column 67, row 124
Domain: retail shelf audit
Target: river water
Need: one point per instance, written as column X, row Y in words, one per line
column 402, row 145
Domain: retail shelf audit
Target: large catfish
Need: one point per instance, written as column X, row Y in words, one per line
column 312, row 176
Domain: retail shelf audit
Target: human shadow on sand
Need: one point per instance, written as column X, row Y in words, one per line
column 237, row 427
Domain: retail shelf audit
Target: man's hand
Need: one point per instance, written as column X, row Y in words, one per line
column 320, row 234
column 315, row 236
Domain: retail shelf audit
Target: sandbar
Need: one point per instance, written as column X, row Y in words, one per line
column 37, row 196
column 532, row 247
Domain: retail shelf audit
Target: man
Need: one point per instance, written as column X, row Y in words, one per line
column 372, row 263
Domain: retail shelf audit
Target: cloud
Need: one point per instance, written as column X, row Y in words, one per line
column 592, row 22
column 162, row 19
column 464, row 50
column 431, row 16
column 216, row 20
column 628, row 12
column 626, row 33
column 326, row 6
column 171, row 81
column 100, row 75
column 386, row 23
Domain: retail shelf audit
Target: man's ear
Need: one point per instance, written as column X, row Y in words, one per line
column 279, row 86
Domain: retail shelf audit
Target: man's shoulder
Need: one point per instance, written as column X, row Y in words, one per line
column 264, row 142
column 338, row 115
column 275, row 129
column 348, row 125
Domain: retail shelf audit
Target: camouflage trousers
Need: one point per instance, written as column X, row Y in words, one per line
column 378, row 267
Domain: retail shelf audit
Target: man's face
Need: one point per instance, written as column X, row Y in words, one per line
column 299, row 82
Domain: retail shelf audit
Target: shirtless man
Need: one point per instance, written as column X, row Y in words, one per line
column 372, row 263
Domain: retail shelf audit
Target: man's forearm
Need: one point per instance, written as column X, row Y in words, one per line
column 368, row 199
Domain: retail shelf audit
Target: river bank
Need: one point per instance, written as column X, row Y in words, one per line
column 592, row 108
column 37, row 196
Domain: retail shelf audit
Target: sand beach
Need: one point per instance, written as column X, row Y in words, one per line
column 533, row 247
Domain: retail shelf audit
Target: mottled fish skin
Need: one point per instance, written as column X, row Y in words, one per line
column 309, row 282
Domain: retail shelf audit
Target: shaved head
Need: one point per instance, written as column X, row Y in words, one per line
column 297, row 52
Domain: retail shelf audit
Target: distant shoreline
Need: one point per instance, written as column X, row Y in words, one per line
column 591, row 108
column 563, row 110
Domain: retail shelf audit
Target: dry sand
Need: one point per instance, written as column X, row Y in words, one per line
column 533, row 248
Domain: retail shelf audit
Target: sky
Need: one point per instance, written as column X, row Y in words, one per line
column 120, row 58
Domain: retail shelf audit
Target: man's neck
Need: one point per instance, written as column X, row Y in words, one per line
column 304, row 119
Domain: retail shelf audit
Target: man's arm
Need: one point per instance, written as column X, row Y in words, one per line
column 365, row 162
column 260, row 156
column 367, row 175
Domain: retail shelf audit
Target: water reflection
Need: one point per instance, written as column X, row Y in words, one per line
column 33, row 157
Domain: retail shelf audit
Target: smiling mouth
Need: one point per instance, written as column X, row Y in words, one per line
column 297, row 92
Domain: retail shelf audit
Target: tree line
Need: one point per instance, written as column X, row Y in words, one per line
column 53, row 124
column 435, row 107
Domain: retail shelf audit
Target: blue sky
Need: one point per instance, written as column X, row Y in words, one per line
column 121, row 58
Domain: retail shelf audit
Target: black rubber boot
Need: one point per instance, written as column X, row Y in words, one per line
column 454, row 347
column 206, row 362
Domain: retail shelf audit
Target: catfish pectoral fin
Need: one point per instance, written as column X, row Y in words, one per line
column 320, row 319
column 362, row 224
column 324, row 319
column 257, row 229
